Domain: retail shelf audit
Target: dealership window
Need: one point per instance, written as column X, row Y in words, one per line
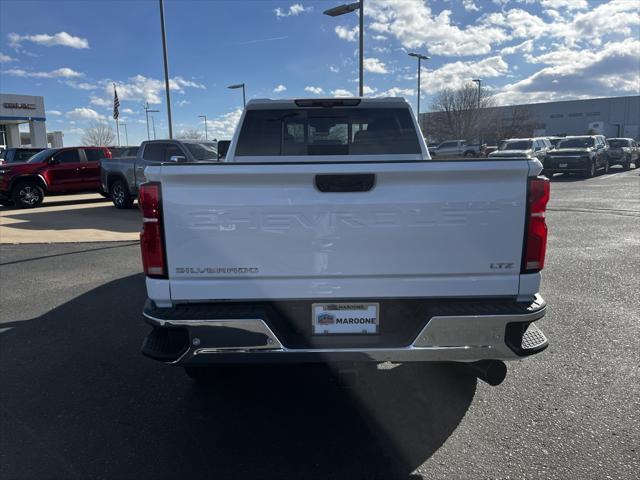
column 3, row 136
column 593, row 114
column 556, row 115
column 575, row 114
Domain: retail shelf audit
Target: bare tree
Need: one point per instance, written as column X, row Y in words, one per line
column 191, row 134
column 516, row 121
column 98, row 134
column 458, row 113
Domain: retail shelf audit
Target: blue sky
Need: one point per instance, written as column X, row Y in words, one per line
column 524, row 50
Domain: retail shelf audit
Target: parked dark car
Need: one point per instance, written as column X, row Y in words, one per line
column 586, row 155
column 123, row 151
column 623, row 151
column 17, row 155
column 121, row 176
column 51, row 171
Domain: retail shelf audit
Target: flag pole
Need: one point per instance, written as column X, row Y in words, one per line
column 116, row 111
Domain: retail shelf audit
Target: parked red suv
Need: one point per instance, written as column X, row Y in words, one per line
column 51, row 171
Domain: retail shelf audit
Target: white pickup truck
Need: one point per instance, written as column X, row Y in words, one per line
column 328, row 234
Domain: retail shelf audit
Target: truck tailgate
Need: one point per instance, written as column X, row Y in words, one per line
column 265, row 231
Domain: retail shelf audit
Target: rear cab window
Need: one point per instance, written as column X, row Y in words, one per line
column 333, row 132
column 94, row 154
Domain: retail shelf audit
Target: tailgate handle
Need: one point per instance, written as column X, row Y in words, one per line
column 359, row 182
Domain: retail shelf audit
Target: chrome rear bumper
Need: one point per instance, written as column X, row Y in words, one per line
column 465, row 338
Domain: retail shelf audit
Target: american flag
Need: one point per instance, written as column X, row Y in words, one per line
column 116, row 103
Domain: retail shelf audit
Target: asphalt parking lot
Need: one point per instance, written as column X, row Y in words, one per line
column 77, row 400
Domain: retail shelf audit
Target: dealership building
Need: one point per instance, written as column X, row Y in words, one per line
column 25, row 109
column 612, row 117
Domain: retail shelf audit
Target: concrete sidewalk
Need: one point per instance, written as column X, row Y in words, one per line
column 69, row 219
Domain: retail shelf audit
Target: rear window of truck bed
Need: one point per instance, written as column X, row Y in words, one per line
column 337, row 131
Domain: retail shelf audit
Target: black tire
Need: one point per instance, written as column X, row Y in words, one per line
column 626, row 165
column 27, row 194
column 104, row 194
column 606, row 166
column 119, row 193
column 592, row 171
column 469, row 155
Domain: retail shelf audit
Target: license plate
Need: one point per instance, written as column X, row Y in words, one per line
column 345, row 318
column 564, row 165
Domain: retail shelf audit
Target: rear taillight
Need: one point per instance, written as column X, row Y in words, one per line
column 535, row 245
column 151, row 236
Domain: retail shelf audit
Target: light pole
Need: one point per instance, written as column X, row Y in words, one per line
column 153, row 123
column 205, row 125
column 126, row 135
column 479, row 82
column 420, row 58
column 147, row 110
column 348, row 8
column 239, row 85
column 166, row 67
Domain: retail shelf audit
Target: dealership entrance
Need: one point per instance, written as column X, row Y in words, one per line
column 17, row 109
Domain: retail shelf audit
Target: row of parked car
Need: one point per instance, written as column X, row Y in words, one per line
column 27, row 175
column 583, row 154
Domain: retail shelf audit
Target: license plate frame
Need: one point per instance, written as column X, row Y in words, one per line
column 345, row 318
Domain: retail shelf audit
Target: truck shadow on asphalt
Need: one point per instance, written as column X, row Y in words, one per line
column 97, row 217
column 79, row 401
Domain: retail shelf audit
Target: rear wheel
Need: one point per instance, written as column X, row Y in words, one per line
column 120, row 195
column 27, row 195
column 469, row 155
column 626, row 165
column 592, row 170
column 606, row 166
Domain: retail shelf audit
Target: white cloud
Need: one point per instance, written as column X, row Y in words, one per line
column 470, row 6
column 379, row 38
column 612, row 68
column 568, row 4
column 334, row 68
column 182, row 103
column 293, row 10
column 81, row 85
column 526, row 46
column 53, row 112
column 415, row 25
column 456, row 74
column 369, row 91
column 61, row 38
column 341, row 92
column 127, row 110
column 350, row 35
column 100, row 102
column 63, row 72
column 398, row 92
column 314, row 90
column 85, row 113
column 6, row 58
column 279, row 89
column 374, row 65
column 224, row 126
column 145, row 89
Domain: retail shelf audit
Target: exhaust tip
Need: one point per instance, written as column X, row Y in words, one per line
column 492, row 372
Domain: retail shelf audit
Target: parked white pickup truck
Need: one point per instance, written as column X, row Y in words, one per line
column 328, row 234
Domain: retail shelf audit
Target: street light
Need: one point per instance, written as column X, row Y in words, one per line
column 126, row 135
column 153, row 123
column 205, row 125
column 420, row 58
column 348, row 8
column 147, row 110
column 239, row 85
column 166, row 67
column 479, row 82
